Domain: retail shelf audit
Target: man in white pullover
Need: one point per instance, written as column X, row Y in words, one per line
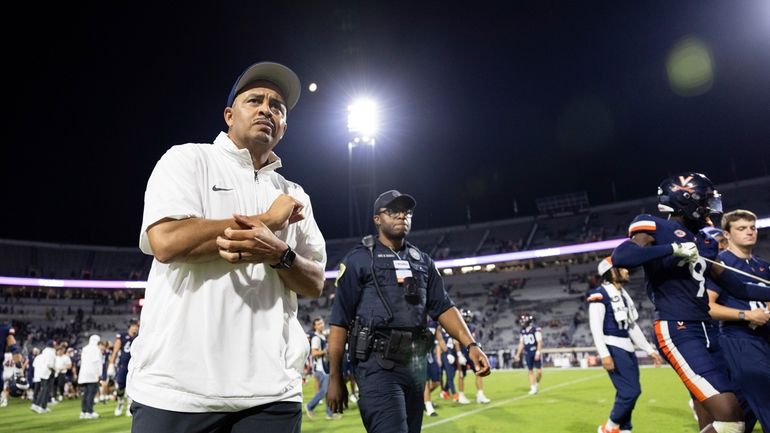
column 88, row 376
column 234, row 242
column 44, row 373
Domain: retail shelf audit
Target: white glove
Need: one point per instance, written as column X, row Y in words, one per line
column 461, row 359
column 111, row 370
column 450, row 358
column 688, row 251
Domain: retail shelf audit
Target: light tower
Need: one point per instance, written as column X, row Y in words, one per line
column 362, row 128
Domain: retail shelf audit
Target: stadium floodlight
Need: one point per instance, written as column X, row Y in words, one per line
column 362, row 119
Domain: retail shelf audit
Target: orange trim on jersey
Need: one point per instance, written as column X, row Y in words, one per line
column 679, row 370
column 595, row 297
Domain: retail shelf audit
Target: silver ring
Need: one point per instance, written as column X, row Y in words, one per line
column 240, row 256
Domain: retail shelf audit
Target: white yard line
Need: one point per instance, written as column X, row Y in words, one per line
column 509, row 400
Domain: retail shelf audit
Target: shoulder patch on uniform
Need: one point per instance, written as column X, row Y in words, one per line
column 339, row 274
column 415, row 254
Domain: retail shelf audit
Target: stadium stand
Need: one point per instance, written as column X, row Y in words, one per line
column 549, row 288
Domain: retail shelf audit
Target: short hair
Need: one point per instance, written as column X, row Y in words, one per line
column 738, row 214
column 316, row 320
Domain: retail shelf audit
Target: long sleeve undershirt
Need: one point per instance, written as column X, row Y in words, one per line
column 596, row 312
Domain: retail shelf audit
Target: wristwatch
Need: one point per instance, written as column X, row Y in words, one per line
column 468, row 347
column 741, row 315
column 287, row 259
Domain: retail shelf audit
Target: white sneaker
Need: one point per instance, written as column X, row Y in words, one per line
column 93, row 415
column 532, row 391
column 431, row 412
column 482, row 399
column 4, row 402
column 353, row 399
column 119, row 409
column 83, row 415
column 463, row 399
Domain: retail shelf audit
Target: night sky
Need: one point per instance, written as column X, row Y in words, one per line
column 481, row 106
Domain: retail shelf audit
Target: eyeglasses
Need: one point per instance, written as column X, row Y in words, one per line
column 394, row 212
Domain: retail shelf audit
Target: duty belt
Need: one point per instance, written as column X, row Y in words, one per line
column 399, row 345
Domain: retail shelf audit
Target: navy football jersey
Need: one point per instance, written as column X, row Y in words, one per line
column 472, row 328
column 754, row 266
column 125, row 348
column 106, row 360
column 610, row 325
column 450, row 342
column 529, row 338
column 677, row 289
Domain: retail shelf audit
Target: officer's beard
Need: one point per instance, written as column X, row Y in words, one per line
column 393, row 234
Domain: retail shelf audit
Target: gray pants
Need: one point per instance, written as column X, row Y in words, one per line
column 89, row 392
column 43, row 394
column 278, row 417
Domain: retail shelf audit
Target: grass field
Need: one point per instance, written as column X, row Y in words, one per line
column 569, row 401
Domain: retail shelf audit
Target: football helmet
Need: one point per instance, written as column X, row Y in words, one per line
column 691, row 195
column 525, row 320
column 20, row 382
column 467, row 315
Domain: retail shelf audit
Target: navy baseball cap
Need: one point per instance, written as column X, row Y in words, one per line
column 389, row 198
column 276, row 73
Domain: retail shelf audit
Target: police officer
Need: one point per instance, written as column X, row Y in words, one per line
column 386, row 288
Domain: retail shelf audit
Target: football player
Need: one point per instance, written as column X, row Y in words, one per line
column 449, row 367
column 122, row 351
column 465, row 364
column 672, row 252
column 433, row 359
column 744, row 331
column 531, row 344
column 8, row 342
column 105, row 381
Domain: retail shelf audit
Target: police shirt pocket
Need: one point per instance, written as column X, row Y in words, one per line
column 385, row 274
column 420, row 274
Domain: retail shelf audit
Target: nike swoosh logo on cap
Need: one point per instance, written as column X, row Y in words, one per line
column 216, row 188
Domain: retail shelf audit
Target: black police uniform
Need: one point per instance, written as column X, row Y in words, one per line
column 387, row 330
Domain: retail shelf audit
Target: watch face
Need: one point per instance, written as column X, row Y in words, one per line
column 288, row 258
